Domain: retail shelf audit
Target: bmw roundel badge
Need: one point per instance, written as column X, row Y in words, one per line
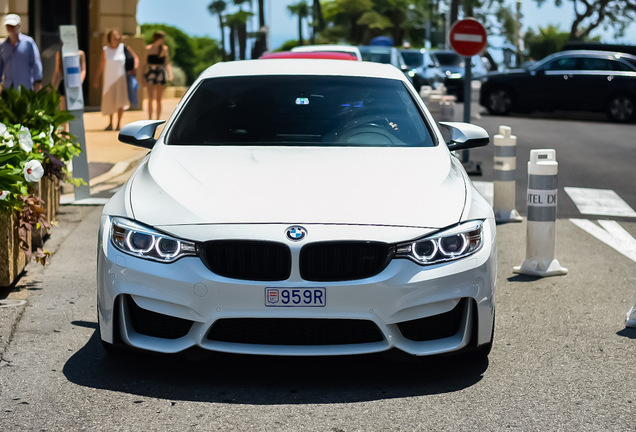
column 296, row 233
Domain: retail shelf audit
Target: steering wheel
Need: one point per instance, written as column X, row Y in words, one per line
column 370, row 130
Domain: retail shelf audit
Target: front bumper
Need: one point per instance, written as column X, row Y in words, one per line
column 420, row 310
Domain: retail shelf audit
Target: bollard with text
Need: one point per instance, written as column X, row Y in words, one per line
column 504, row 190
column 542, row 206
column 75, row 104
column 468, row 38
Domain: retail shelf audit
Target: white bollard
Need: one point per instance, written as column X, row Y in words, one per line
column 542, row 205
column 448, row 108
column 504, row 185
column 631, row 315
column 435, row 106
column 425, row 93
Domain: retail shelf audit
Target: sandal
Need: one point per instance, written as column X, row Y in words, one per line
column 109, row 128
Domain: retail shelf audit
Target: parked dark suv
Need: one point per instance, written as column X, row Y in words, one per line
column 569, row 80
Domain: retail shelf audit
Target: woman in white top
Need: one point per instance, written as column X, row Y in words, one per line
column 115, row 89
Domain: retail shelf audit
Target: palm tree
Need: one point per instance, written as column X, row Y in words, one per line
column 261, row 35
column 217, row 7
column 238, row 30
column 303, row 11
column 318, row 22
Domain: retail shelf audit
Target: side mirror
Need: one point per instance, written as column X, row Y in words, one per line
column 465, row 136
column 140, row 133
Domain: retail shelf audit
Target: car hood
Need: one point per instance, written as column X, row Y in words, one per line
column 415, row 187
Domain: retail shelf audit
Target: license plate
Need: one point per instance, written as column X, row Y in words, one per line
column 295, row 297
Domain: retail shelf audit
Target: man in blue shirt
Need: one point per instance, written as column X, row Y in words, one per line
column 20, row 62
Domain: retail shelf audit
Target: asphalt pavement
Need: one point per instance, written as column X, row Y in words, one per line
column 562, row 358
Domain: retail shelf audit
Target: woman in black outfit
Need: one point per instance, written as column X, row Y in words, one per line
column 159, row 71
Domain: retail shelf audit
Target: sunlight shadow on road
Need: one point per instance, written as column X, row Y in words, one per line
column 628, row 332
column 222, row 378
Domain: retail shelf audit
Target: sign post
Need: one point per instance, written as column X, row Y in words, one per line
column 468, row 38
column 75, row 104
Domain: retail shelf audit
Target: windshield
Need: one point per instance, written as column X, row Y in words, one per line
column 413, row 59
column 376, row 55
column 449, row 59
column 299, row 111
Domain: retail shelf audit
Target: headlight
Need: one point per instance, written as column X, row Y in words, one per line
column 448, row 245
column 143, row 242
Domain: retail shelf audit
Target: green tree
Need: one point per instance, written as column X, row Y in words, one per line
column 346, row 13
column 191, row 55
column 217, row 7
column 302, row 11
column 590, row 15
column 208, row 52
column 547, row 41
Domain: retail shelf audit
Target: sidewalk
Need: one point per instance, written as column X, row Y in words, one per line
column 111, row 161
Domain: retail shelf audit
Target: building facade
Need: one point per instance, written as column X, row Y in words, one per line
column 41, row 20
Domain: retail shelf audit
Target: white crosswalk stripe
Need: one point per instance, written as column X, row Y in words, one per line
column 601, row 202
column 598, row 202
column 610, row 233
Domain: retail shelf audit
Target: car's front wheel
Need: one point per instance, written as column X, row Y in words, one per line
column 499, row 101
column 621, row 108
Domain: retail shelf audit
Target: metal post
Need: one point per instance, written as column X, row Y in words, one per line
column 467, row 97
column 80, row 162
column 75, row 105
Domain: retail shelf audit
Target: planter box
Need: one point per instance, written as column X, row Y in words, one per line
column 12, row 257
column 48, row 189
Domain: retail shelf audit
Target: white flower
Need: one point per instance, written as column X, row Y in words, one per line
column 24, row 137
column 33, row 171
column 3, row 128
column 9, row 139
column 3, row 195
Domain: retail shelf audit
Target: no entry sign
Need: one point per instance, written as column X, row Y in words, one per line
column 468, row 37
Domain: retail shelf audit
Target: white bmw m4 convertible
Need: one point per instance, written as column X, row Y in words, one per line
column 299, row 207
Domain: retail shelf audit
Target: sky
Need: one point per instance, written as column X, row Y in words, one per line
column 192, row 17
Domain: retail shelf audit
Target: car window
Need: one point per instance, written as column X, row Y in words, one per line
column 376, row 55
column 413, row 59
column 299, row 111
column 600, row 64
column 562, row 64
column 449, row 59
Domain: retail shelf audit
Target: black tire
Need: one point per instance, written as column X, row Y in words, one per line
column 499, row 101
column 621, row 108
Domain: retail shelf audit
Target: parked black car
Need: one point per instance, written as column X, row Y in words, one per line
column 580, row 80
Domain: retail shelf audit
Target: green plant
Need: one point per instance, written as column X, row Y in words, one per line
column 32, row 143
